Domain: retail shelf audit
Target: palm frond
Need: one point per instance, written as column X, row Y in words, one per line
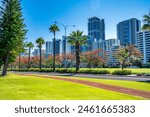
column 77, row 36
column 54, row 28
column 40, row 41
column 146, row 27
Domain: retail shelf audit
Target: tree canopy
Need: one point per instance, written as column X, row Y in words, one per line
column 146, row 20
column 12, row 32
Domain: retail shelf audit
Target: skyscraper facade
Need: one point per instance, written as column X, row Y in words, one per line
column 36, row 52
column 57, row 46
column 127, row 31
column 143, row 43
column 88, row 46
column 48, row 47
column 66, row 47
column 96, row 28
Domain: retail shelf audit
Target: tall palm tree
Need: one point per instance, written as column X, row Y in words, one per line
column 30, row 45
column 53, row 29
column 40, row 41
column 77, row 39
column 146, row 20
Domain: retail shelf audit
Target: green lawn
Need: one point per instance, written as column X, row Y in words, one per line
column 134, row 70
column 14, row 87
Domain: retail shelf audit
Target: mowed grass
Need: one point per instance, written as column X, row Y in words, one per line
column 134, row 70
column 14, row 87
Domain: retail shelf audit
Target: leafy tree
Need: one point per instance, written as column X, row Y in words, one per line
column 24, row 62
column 53, row 29
column 92, row 58
column 49, row 61
column 12, row 32
column 40, row 41
column 59, row 60
column 127, row 54
column 29, row 45
column 35, row 61
column 70, row 57
column 146, row 25
column 77, row 39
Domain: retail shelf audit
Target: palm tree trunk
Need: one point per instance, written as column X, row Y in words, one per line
column 77, row 56
column 40, row 64
column 29, row 59
column 5, row 65
column 54, row 53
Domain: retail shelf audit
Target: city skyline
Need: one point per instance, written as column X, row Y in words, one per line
column 39, row 15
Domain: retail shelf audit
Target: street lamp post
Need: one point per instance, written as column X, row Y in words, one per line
column 65, row 28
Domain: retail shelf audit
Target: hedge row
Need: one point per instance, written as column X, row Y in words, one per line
column 94, row 71
column 122, row 72
column 82, row 71
column 35, row 70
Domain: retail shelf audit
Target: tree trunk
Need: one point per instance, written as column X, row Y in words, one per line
column 122, row 66
column 54, row 53
column 40, row 64
column 11, row 66
column 19, row 60
column 77, row 56
column 5, row 65
column 29, row 59
column 90, row 66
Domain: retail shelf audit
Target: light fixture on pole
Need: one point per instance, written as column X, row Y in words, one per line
column 65, row 28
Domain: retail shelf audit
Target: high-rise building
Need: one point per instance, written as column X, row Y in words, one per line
column 66, row 47
column 57, row 46
column 111, row 47
column 111, row 59
column 48, row 47
column 43, row 52
column 127, row 31
column 143, row 44
column 96, row 28
column 110, row 43
column 36, row 52
column 88, row 46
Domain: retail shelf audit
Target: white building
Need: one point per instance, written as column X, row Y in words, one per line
column 143, row 43
column 110, row 43
column 111, row 48
column 111, row 59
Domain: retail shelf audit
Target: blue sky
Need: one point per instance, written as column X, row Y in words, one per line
column 40, row 14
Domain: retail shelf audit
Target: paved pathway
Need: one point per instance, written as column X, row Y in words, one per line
column 144, row 94
column 113, row 77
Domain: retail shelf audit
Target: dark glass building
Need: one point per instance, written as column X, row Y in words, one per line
column 96, row 28
column 127, row 31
